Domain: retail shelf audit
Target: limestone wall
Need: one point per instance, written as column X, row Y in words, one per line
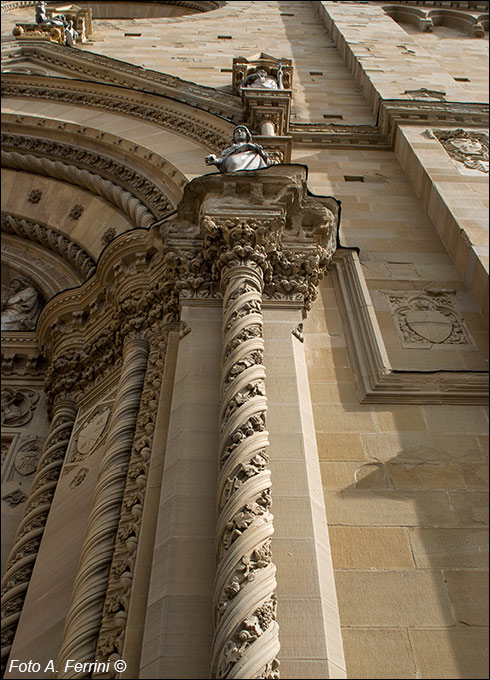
column 405, row 478
column 405, row 493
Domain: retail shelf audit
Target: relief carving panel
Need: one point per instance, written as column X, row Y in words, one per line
column 27, row 457
column 465, row 146
column 18, row 406
column 424, row 319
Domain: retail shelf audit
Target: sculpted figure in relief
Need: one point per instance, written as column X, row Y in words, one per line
column 243, row 154
column 21, row 307
column 57, row 20
column 262, row 79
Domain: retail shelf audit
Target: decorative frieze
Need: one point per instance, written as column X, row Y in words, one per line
column 123, row 104
column 136, row 211
column 97, row 67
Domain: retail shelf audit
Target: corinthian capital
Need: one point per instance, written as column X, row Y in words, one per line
column 245, row 240
column 265, row 220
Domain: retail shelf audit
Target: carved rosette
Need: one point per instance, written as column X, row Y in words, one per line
column 246, row 638
column 84, row 616
column 20, row 563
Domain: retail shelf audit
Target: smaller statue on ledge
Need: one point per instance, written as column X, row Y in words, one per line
column 243, row 154
column 263, row 80
column 58, row 20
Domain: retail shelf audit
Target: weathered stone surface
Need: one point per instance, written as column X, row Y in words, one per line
column 450, row 652
column 377, row 599
column 449, row 548
column 406, row 476
column 387, row 507
column 374, row 653
column 470, row 508
column 468, row 591
column 370, row 548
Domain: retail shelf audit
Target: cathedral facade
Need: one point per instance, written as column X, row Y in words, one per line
column 245, row 339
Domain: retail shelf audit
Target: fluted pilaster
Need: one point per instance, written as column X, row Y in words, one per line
column 246, row 638
column 22, row 558
column 84, row 616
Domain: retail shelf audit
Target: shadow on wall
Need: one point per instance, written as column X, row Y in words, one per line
column 405, row 489
column 437, row 497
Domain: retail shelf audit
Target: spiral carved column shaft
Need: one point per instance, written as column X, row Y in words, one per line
column 246, row 638
column 21, row 560
column 84, row 616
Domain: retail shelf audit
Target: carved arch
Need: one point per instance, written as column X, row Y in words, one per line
column 156, row 182
column 98, row 69
column 60, row 244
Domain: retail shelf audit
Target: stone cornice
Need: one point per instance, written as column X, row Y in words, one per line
column 457, row 4
column 396, row 112
column 21, row 355
column 338, row 136
column 163, row 112
column 98, row 68
column 392, row 113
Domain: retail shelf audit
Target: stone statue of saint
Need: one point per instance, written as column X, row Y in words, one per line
column 243, row 154
column 262, row 79
column 58, row 20
column 20, row 309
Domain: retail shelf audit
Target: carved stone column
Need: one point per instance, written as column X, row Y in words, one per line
column 245, row 237
column 112, row 633
column 22, row 558
column 246, row 640
column 84, row 616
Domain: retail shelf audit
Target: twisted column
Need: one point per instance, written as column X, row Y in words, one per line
column 246, row 638
column 84, row 616
column 117, row 603
column 22, row 558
